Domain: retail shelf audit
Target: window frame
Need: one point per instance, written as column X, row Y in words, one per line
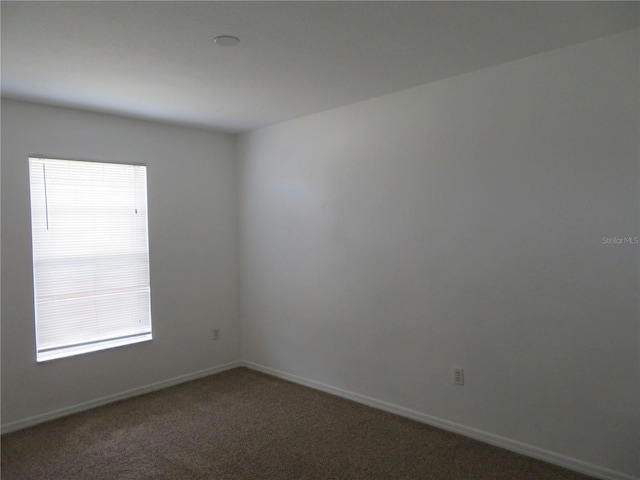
column 107, row 341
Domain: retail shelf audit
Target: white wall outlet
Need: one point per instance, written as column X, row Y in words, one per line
column 458, row 376
column 216, row 334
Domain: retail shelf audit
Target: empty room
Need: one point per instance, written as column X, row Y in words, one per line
column 320, row 240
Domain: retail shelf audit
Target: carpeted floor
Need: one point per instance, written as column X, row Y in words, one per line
column 242, row 424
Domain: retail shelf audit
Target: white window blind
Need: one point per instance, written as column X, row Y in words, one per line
column 90, row 256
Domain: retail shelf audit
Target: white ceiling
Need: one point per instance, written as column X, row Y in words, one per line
column 156, row 60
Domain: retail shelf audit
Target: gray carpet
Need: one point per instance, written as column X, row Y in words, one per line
column 242, row 424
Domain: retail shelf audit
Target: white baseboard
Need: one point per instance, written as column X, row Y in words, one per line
column 497, row 440
column 80, row 407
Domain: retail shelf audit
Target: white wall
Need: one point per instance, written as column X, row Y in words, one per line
column 193, row 256
column 460, row 223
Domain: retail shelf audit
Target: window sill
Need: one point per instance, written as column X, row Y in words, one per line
column 93, row 347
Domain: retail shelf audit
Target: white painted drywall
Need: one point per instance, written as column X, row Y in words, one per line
column 193, row 256
column 461, row 223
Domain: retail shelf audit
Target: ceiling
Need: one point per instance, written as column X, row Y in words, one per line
column 156, row 60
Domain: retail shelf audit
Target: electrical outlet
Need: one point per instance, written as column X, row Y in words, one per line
column 458, row 376
column 216, row 334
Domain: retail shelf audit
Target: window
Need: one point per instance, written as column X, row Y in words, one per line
column 90, row 256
